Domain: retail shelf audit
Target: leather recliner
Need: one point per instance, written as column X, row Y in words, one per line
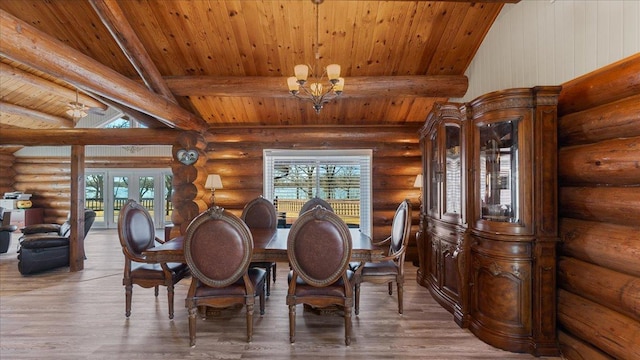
column 46, row 246
column 5, row 233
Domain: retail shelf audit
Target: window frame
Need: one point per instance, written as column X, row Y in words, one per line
column 363, row 157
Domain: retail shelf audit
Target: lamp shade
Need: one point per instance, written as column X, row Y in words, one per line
column 213, row 182
column 417, row 183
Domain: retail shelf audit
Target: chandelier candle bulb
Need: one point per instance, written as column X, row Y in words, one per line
column 333, row 72
column 293, row 84
column 302, row 72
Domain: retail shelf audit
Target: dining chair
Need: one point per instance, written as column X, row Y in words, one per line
column 311, row 203
column 260, row 213
column 390, row 268
column 319, row 248
column 137, row 234
column 218, row 247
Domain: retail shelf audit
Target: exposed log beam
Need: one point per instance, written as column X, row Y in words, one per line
column 35, row 115
column 450, row 86
column 10, row 72
column 65, row 137
column 116, row 22
column 142, row 118
column 23, row 43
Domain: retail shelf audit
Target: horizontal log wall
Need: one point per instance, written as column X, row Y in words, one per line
column 599, row 202
column 7, row 179
column 236, row 155
column 48, row 179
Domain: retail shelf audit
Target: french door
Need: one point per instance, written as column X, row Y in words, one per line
column 106, row 191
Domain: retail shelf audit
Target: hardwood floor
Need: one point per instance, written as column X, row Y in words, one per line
column 63, row 315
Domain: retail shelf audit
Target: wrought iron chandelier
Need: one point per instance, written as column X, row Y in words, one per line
column 314, row 90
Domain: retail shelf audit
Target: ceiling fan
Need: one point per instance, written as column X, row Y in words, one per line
column 76, row 110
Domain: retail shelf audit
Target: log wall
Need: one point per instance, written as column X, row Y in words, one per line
column 48, row 179
column 236, row 155
column 599, row 202
column 7, row 179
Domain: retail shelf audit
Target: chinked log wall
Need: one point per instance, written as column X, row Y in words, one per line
column 8, row 173
column 599, row 177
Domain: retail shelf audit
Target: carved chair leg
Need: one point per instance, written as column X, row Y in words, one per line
column 262, row 299
column 170, row 298
column 193, row 311
column 390, row 284
column 274, row 272
column 249, row 322
column 347, row 325
column 292, row 323
column 268, row 280
column 156, row 290
column 400, row 288
column 357, row 296
column 128, row 293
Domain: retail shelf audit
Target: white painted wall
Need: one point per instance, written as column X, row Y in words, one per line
column 545, row 42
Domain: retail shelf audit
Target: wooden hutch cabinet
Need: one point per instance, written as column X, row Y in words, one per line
column 445, row 226
column 492, row 260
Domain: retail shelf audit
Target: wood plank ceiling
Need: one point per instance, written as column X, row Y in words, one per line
column 208, row 63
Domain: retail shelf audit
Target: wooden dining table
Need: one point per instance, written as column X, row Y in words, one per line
column 268, row 245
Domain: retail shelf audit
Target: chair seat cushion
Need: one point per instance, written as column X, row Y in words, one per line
column 380, row 268
column 41, row 241
column 256, row 276
column 154, row 271
column 335, row 289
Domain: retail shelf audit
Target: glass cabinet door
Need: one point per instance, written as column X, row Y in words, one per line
column 453, row 170
column 434, row 173
column 499, row 184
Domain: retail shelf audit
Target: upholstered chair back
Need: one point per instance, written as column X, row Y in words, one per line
column 319, row 246
column 218, row 247
column 313, row 203
column 260, row 213
column 135, row 229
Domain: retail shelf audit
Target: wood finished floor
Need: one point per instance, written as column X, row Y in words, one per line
column 63, row 315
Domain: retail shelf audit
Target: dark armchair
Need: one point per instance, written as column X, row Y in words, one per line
column 46, row 246
column 319, row 248
column 5, row 233
column 389, row 269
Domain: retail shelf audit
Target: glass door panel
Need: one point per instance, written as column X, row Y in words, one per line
column 120, row 195
column 499, row 187
column 94, row 192
column 453, row 170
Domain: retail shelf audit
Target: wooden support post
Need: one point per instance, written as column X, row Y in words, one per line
column 76, row 242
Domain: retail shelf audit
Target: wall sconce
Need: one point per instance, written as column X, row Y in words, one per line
column 213, row 182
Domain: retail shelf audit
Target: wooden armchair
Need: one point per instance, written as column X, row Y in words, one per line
column 390, row 268
column 137, row 234
column 260, row 213
column 319, row 248
column 218, row 248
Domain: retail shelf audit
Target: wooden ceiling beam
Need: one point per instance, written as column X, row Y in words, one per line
column 64, row 137
column 10, row 72
column 25, row 44
column 140, row 117
column 448, row 86
column 116, row 22
column 35, row 115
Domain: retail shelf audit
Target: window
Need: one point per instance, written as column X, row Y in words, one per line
column 341, row 177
